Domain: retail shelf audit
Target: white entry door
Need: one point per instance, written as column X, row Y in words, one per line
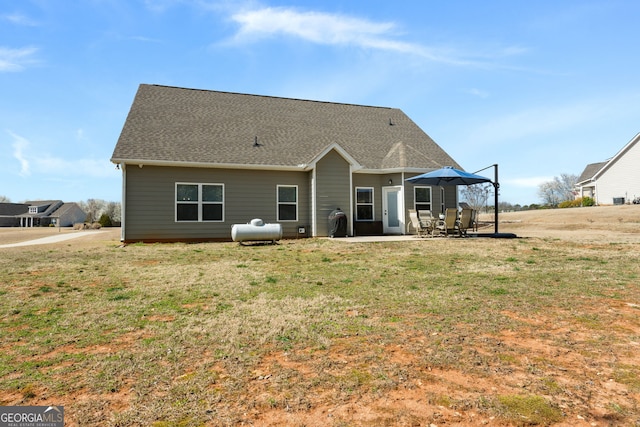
column 392, row 208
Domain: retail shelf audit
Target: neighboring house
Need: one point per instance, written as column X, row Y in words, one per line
column 615, row 181
column 9, row 213
column 41, row 213
column 195, row 162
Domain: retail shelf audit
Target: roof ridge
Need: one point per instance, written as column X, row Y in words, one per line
column 270, row 96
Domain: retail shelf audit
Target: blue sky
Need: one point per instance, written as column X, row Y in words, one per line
column 542, row 88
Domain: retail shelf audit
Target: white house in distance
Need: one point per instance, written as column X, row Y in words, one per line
column 615, row 181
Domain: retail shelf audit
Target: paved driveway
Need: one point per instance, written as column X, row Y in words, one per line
column 55, row 238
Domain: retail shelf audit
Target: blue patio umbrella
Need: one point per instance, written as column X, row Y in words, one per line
column 452, row 176
column 448, row 176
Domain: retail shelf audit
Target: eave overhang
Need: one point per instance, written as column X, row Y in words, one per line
column 167, row 163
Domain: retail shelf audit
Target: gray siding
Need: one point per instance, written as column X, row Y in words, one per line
column 368, row 180
column 150, row 201
column 450, row 196
column 332, row 190
column 377, row 181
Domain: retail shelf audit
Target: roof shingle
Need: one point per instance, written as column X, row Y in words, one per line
column 177, row 125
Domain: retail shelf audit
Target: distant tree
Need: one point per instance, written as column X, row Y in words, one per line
column 548, row 193
column 477, row 195
column 4, row 199
column 105, row 220
column 567, row 185
column 95, row 208
column 114, row 211
column 560, row 189
column 506, row 206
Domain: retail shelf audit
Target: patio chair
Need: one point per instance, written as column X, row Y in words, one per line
column 465, row 221
column 425, row 215
column 423, row 228
column 448, row 225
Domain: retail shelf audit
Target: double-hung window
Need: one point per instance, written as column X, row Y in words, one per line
column 422, row 198
column 364, row 203
column 287, row 202
column 199, row 202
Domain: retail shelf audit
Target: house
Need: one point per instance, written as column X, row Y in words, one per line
column 9, row 213
column 195, row 162
column 615, row 181
column 41, row 213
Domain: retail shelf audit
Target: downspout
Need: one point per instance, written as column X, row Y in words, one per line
column 123, row 209
column 351, row 190
column 314, row 228
column 404, row 207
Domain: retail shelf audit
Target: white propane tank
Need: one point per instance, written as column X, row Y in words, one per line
column 256, row 231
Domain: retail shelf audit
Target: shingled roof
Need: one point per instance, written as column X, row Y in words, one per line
column 590, row 171
column 177, row 126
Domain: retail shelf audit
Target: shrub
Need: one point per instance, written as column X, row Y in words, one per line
column 588, row 201
column 105, row 220
column 581, row 201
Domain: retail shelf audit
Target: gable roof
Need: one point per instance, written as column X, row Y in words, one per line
column 589, row 172
column 45, row 207
column 65, row 208
column 190, row 127
column 594, row 170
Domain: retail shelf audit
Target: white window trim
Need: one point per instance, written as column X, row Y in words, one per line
column 199, row 202
column 373, row 203
column 278, row 203
column 416, row 202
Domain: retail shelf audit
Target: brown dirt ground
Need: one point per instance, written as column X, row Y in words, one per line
column 422, row 399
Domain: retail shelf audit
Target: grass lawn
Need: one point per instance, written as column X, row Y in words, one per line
column 313, row 332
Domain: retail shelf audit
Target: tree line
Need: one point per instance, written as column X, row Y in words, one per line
column 557, row 192
column 102, row 211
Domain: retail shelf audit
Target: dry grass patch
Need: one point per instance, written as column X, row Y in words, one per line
column 323, row 332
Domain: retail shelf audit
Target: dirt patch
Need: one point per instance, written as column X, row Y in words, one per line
column 583, row 358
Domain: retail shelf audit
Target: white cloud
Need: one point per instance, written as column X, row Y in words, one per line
column 20, row 145
column 16, row 59
column 316, row 27
column 19, row 19
column 340, row 30
column 46, row 164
